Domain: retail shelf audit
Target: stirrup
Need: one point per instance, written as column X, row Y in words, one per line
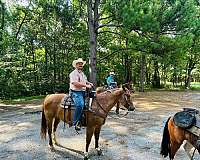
column 78, row 126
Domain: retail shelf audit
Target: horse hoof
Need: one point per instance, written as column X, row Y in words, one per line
column 86, row 156
column 56, row 143
column 99, row 151
column 52, row 149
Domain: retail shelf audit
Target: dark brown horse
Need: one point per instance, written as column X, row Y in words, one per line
column 52, row 113
column 173, row 137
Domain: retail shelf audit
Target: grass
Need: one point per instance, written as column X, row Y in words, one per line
column 195, row 85
column 22, row 99
column 169, row 87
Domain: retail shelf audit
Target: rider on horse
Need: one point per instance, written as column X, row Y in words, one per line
column 78, row 85
column 110, row 81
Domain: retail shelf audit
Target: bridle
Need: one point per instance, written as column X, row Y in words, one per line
column 99, row 106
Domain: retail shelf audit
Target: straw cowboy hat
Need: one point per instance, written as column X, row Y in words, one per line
column 79, row 60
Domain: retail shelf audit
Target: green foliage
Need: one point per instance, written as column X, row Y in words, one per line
column 40, row 40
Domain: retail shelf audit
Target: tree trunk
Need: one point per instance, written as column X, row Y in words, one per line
column 175, row 77
column 2, row 11
column 92, row 26
column 34, row 64
column 127, row 61
column 142, row 72
column 156, row 76
column 191, row 66
column 148, row 73
column 54, row 65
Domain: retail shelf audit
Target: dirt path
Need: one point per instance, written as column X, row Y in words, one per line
column 134, row 137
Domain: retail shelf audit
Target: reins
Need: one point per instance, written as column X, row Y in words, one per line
column 193, row 153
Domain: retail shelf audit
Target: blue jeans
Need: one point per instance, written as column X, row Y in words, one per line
column 79, row 102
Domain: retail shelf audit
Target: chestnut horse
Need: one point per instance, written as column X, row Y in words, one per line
column 52, row 113
column 173, row 137
column 102, row 89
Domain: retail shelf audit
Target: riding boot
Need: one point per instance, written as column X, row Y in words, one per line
column 78, row 126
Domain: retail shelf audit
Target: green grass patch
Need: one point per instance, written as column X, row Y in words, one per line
column 22, row 99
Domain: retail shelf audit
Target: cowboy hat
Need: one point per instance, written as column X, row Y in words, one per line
column 112, row 73
column 79, row 60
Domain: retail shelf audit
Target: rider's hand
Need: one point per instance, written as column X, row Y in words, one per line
column 91, row 84
column 88, row 86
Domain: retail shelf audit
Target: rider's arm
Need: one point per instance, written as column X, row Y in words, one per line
column 80, row 84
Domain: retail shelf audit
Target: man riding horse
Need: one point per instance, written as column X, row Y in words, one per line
column 78, row 85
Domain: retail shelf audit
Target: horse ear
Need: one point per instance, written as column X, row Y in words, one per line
column 130, row 87
column 124, row 87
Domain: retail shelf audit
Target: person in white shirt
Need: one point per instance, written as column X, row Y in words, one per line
column 78, row 85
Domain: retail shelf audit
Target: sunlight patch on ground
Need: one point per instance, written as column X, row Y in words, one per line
column 25, row 124
column 120, row 130
column 5, row 138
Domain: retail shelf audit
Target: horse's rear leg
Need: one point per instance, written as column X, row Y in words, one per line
column 56, row 122
column 174, row 148
column 96, row 134
column 49, row 123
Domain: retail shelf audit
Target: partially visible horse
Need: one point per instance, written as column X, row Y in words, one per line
column 173, row 137
column 102, row 89
column 52, row 113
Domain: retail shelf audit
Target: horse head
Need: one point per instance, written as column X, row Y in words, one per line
column 125, row 99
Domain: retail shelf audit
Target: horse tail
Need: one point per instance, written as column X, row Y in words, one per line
column 43, row 125
column 165, row 145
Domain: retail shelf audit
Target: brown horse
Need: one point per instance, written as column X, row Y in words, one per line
column 52, row 113
column 173, row 137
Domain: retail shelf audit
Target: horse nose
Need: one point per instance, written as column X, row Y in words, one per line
column 131, row 108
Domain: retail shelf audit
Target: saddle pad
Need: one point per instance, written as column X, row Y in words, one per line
column 195, row 130
column 67, row 101
column 191, row 110
column 184, row 119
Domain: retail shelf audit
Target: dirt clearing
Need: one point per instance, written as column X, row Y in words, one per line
column 134, row 137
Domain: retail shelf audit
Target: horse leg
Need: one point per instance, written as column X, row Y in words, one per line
column 56, row 122
column 174, row 148
column 49, row 123
column 89, row 133
column 117, row 108
column 96, row 134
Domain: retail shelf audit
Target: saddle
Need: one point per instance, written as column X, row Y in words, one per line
column 188, row 119
column 68, row 103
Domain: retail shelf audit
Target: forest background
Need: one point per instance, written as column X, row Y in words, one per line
column 150, row 43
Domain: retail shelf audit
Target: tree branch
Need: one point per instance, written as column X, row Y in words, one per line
column 123, row 49
column 104, row 18
column 20, row 25
column 108, row 25
column 112, row 33
column 23, row 20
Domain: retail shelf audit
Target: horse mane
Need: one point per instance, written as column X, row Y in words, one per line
column 102, row 91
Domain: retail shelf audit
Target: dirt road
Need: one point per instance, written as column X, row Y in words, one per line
column 134, row 137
